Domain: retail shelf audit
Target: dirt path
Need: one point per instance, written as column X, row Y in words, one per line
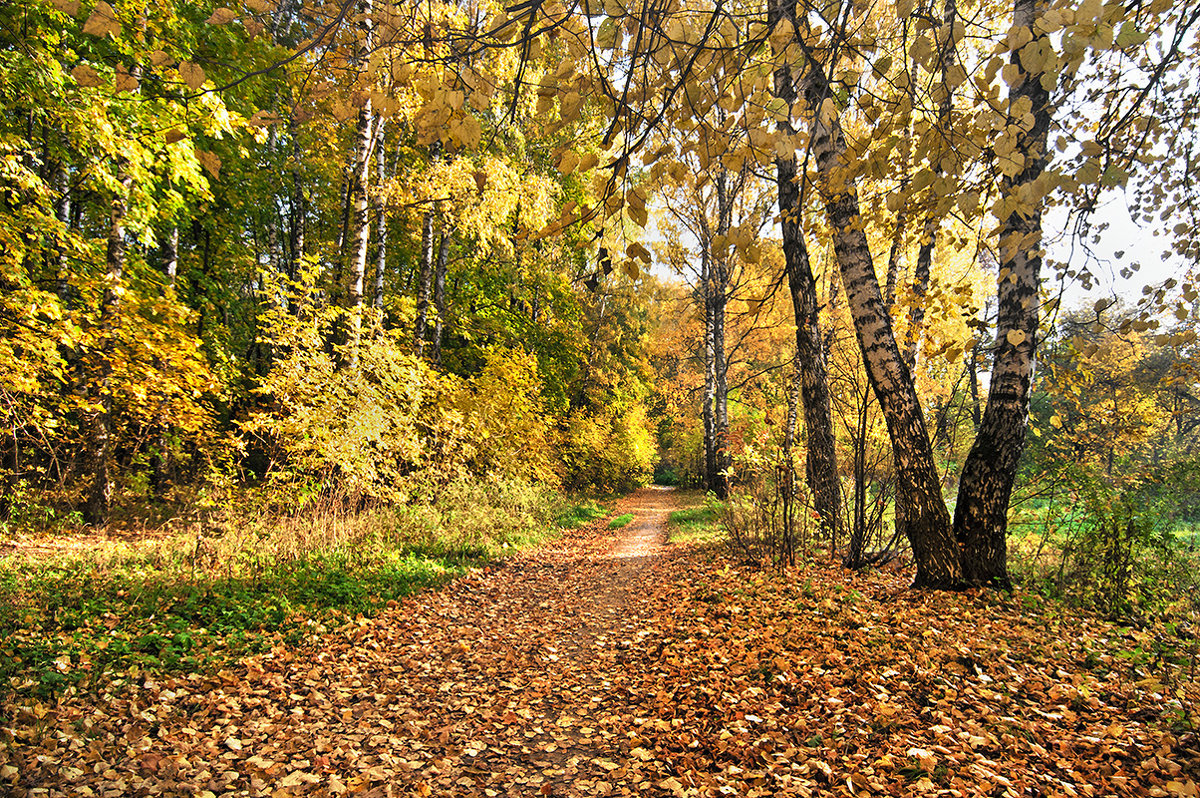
column 500, row 684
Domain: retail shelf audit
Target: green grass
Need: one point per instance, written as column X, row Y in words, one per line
column 695, row 525
column 620, row 521
column 74, row 625
column 192, row 602
column 579, row 513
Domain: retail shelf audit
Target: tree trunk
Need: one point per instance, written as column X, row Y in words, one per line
column 793, row 404
column 170, row 255
column 425, row 283
column 710, row 375
column 297, row 210
column 62, row 212
column 99, row 502
column 360, row 180
column 821, row 468
column 924, row 267
column 362, row 233
column 929, row 531
column 724, row 459
column 720, row 273
column 981, row 515
column 380, row 224
column 439, row 295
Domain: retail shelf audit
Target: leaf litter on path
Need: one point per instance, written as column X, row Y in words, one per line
column 606, row 663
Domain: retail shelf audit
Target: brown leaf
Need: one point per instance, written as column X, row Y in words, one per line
column 222, row 16
column 124, row 80
column 210, row 161
column 86, row 76
column 102, row 21
column 192, row 74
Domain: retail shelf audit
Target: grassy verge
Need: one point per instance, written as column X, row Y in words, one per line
column 620, row 521
column 73, row 617
column 699, row 524
column 583, row 511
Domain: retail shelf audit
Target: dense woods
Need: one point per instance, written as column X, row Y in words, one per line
column 364, row 251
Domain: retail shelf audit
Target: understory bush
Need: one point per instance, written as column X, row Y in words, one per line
column 610, row 451
column 1107, row 544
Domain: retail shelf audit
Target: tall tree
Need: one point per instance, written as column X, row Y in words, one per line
column 981, row 514
column 821, row 468
column 100, row 500
column 918, row 485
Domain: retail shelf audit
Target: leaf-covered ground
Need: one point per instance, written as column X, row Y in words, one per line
column 607, row 663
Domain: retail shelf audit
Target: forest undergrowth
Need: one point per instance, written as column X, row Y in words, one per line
column 572, row 671
column 80, row 608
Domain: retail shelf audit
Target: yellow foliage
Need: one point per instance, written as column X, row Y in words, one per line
column 506, row 420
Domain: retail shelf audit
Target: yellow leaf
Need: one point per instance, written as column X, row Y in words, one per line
column 263, row 118
column 587, row 162
column 192, row 74
column 298, row 777
column 1130, row 36
column 1015, row 337
column 222, row 16
column 636, row 250
column 828, row 111
column 631, row 271
column 102, row 21
column 1182, row 788
column 1056, row 422
column 470, row 132
column 606, row 34
column 572, row 102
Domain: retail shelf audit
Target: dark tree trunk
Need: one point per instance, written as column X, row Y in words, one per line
column 981, row 514
column 99, row 503
column 821, row 468
column 439, row 295
column 298, row 207
column 929, row 532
